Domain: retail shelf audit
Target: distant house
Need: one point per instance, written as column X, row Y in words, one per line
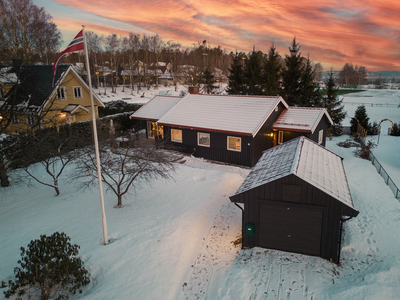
column 36, row 102
column 303, row 121
column 296, row 199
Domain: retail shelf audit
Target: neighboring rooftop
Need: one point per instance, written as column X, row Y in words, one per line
column 156, row 108
column 234, row 114
column 303, row 119
column 305, row 159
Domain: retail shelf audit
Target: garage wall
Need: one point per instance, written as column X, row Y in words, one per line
column 294, row 191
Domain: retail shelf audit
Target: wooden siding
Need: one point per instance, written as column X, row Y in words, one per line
column 217, row 151
column 309, row 196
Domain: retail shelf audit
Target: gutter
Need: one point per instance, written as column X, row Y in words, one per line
column 342, row 220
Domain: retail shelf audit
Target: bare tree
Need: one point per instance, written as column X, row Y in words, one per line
column 157, row 45
column 26, row 31
column 134, row 46
column 93, row 44
column 123, row 168
column 112, row 46
column 50, row 149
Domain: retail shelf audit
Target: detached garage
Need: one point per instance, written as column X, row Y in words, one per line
column 296, row 199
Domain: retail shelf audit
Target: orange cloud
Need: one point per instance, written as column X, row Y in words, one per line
column 333, row 33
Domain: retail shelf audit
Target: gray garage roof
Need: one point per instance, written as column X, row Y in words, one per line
column 305, row 159
column 156, row 108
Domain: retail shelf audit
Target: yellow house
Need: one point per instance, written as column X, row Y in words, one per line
column 37, row 102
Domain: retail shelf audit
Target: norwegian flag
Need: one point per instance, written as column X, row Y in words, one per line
column 76, row 45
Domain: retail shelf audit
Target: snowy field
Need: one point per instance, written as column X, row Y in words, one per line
column 174, row 239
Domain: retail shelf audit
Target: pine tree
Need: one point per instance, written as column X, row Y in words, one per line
column 253, row 73
column 235, row 77
column 291, row 75
column 333, row 105
column 208, row 81
column 272, row 73
column 51, row 266
column 309, row 91
column 360, row 117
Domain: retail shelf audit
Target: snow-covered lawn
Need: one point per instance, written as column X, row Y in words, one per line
column 174, row 239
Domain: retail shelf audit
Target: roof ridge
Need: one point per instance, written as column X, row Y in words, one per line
column 299, row 148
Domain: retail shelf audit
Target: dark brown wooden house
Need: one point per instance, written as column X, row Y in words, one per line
column 303, row 121
column 296, row 199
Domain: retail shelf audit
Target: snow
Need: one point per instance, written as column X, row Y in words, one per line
column 173, row 238
column 237, row 114
column 156, row 108
column 304, row 119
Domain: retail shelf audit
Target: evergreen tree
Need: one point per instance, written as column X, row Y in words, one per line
column 272, row 73
column 291, row 75
column 208, row 81
column 309, row 91
column 253, row 71
column 50, row 266
column 235, row 77
column 333, row 105
column 360, row 117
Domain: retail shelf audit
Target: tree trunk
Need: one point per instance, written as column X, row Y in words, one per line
column 119, row 200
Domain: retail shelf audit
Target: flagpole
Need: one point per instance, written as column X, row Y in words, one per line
column 96, row 143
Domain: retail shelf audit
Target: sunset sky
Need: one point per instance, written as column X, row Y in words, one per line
column 362, row 32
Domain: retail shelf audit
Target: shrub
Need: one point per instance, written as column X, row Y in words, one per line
column 49, row 269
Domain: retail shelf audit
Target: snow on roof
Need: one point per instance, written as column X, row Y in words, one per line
column 73, row 108
column 155, row 108
column 304, row 119
column 305, row 159
column 235, row 114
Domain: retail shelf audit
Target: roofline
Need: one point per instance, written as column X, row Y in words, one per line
column 143, row 119
column 79, row 78
column 206, row 129
column 289, row 129
column 279, row 100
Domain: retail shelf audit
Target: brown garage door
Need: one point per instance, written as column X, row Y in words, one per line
column 290, row 227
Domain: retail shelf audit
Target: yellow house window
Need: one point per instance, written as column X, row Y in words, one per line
column 61, row 93
column 77, row 92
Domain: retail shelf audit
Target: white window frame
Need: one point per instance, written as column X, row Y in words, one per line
column 280, row 137
column 231, row 149
column 203, row 134
column 77, row 92
column 320, row 136
column 172, row 136
column 30, row 120
column 62, row 93
column 15, row 119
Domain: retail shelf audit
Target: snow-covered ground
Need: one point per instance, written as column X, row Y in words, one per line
column 174, row 239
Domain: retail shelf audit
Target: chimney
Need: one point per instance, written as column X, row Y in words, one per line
column 193, row 89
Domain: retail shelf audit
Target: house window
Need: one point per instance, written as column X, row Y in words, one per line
column 203, row 139
column 15, row 119
column 61, row 93
column 151, row 130
column 78, row 92
column 30, row 120
column 320, row 136
column 234, row 143
column 280, row 137
column 176, row 135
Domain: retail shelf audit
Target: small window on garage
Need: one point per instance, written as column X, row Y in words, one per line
column 203, row 139
column 234, row 143
column 176, row 135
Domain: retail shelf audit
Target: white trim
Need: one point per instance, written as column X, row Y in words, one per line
column 205, row 135
column 280, row 137
column 77, row 90
column 176, row 141
column 320, row 136
column 64, row 93
column 231, row 149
